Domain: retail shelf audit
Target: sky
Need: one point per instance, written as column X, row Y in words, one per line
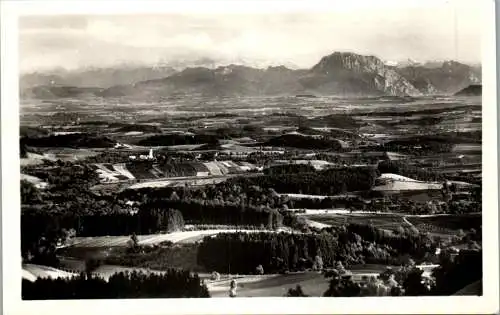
column 293, row 39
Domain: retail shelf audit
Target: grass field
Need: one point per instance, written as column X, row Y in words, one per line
column 446, row 225
column 384, row 221
column 178, row 256
column 175, row 237
column 313, row 284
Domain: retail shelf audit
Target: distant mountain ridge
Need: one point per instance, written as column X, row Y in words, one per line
column 340, row 73
column 449, row 78
column 471, row 90
column 92, row 77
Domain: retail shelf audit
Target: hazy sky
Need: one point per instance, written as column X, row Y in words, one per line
column 445, row 32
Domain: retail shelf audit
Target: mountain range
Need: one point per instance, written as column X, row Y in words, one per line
column 339, row 74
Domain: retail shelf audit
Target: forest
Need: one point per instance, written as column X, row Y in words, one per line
column 327, row 182
column 453, row 274
column 76, row 140
column 411, row 171
column 176, row 139
column 305, row 142
column 280, row 252
column 171, row 284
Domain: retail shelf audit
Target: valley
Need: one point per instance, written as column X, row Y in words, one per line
column 274, row 178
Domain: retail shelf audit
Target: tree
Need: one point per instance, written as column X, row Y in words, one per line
column 341, row 286
column 270, row 220
column 175, row 221
column 259, row 270
column 174, row 196
column 318, row 263
column 133, row 243
column 297, row 292
column 453, row 275
column 340, row 268
column 215, row 276
column 29, row 193
column 91, row 265
column 43, row 251
column 413, row 284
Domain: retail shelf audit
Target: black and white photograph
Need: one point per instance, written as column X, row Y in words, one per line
column 333, row 153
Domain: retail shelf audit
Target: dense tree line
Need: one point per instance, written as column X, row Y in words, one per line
column 150, row 218
column 452, row 275
column 76, row 140
column 177, row 139
column 171, row 284
column 337, row 133
column 289, row 169
column 351, row 244
column 421, row 145
column 240, row 131
column 327, row 182
column 411, row 171
column 29, row 193
column 353, row 203
column 334, row 120
column 360, row 158
column 139, row 128
column 32, row 132
column 108, row 157
column 65, row 176
column 222, row 193
column 213, row 212
column 305, row 142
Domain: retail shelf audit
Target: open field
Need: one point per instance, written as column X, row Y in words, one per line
column 446, row 225
column 175, row 237
column 313, row 284
column 383, row 221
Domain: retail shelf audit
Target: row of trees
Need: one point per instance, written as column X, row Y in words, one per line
column 289, row 169
column 195, row 212
column 352, row 244
column 414, row 172
column 327, row 182
column 305, row 142
column 420, row 145
column 177, row 139
column 65, row 176
column 76, row 140
column 151, row 218
column 171, row 284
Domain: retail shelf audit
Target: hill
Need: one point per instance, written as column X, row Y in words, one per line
column 449, row 78
column 229, row 80
column 349, row 73
column 471, row 90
